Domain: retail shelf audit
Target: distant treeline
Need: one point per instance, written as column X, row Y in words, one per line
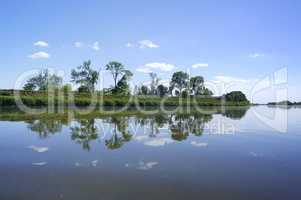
column 85, row 79
column 287, row 103
column 181, row 90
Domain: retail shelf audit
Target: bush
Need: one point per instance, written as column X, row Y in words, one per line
column 236, row 96
column 7, row 101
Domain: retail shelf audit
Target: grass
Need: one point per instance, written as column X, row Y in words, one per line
column 42, row 99
column 135, row 104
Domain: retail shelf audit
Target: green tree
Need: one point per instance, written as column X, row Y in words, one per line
column 143, row 90
column 179, row 80
column 67, row 88
column 154, row 83
column 43, row 81
column 162, row 90
column 236, row 96
column 117, row 70
column 207, row 92
column 197, row 84
column 85, row 76
column 123, row 87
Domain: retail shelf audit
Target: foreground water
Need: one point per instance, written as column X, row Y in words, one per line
column 239, row 154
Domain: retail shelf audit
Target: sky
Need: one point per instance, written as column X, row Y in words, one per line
column 251, row 46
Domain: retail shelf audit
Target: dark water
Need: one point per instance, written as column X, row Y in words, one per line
column 237, row 154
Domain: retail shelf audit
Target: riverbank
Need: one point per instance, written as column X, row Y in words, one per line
column 8, row 98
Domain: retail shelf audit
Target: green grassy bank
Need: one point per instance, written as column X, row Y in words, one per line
column 84, row 99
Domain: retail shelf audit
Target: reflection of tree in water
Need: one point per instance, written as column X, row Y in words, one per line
column 235, row 113
column 178, row 127
column 46, row 127
column 153, row 123
column 121, row 133
column 197, row 123
column 181, row 125
column 84, row 132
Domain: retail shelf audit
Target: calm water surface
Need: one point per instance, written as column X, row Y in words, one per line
column 230, row 155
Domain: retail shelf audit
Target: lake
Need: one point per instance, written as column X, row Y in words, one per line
column 242, row 153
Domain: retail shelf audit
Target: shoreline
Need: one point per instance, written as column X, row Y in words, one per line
column 12, row 113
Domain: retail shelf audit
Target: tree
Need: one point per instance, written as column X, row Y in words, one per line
column 154, row 83
column 197, row 84
column 116, row 69
column 85, row 76
column 179, row 80
column 236, row 96
column 120, row 135
column 184, row 94
column 162, row 90
column 67, row 88
column 84, row 132
column 45, row 127
column 123, row 87
column 207, row 92
column 43, row 81
column 144, row 90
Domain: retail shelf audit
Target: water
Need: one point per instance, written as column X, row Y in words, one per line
column 230, row 155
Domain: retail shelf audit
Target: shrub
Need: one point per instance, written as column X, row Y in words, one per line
column 236, row 96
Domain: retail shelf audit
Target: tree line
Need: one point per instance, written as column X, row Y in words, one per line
column 86, row 78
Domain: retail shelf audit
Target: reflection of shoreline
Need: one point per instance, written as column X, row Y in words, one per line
column 13, row 114
column 116, row 131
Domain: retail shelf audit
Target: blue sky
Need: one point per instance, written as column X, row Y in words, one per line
column 240, row 42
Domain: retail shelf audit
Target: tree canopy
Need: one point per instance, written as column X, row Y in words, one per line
column 143, row 90
column 197, row 85
column 236, row 96
column 162, row 90
column 154, row 83
column 85, row 76
column 43, row 81
column 123, row 87
column 117, row 69
column 179, row 80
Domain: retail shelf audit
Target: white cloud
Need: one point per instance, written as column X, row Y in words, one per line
column 200, row 65
column 256, row 154
column 78, row 44
column 144, row 70
column 147, row 44
column 147, row 165
column 39, row 163
column 223, row 84
column 256, row 55
column 161, row 66
column 229, row 79
column 94, row 163
column 95, row 46
column 39, row 55
column 39, row 149
column 199, row 144
column 141, row 138
column 158, row 142
column 165, row 82
column 41, row 44
column 129, row 45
